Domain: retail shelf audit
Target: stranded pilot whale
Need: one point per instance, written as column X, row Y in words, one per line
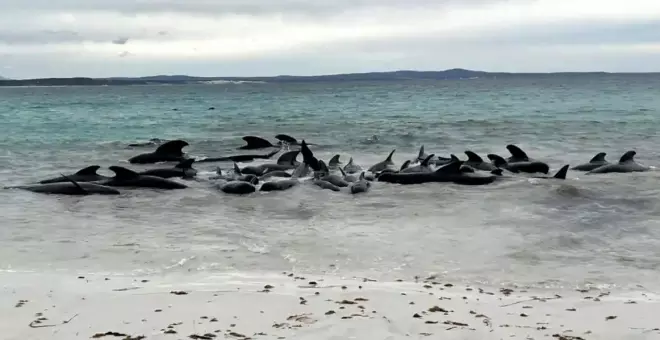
column 238, row 158
column 71, row 187
column 518, row 162
column 87, row 174
column 362, row 185
column 167, row 152
column 626, row 164
column 596, row 162
column 385, row 164
column 451, row 172
column 184, row 170
column 129, row 178
column 476, row 162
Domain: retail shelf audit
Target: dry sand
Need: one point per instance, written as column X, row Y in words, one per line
column 284, row 306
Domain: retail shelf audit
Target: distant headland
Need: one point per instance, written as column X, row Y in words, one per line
column 452, row 74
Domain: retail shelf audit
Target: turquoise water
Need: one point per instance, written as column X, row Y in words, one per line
column 588, row 229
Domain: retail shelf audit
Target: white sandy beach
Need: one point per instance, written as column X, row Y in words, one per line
column 284, row 306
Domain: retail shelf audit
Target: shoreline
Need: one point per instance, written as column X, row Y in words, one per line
column 287, row 306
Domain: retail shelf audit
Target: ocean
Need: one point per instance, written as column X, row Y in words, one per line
column 599, row 230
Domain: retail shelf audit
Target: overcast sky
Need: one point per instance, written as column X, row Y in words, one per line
column 99, row 38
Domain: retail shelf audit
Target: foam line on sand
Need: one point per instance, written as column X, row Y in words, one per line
column 284, row 306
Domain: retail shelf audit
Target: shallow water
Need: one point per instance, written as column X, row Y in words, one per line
column 587, row 229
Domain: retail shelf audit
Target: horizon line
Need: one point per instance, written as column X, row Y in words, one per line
column 341, row 74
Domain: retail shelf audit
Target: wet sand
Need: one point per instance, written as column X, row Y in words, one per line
column 286, row 306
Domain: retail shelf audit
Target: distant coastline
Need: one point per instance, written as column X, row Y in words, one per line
column 452, row 74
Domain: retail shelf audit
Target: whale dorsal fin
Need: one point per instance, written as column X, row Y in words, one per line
column 497, row 172
column 123, row 173
column 288, row 157
column 256, row 142
column 600, row 157
column 497, row 160
column 427, row 160
column 362, row 176
column 302, row 168
column 628, row 157
column 343, row 173
column 454, row 159
column 185, row 164
column 90, row 170
column 237, row 170
column 420, row 155
column 561, row 174
column 404, row 165
column 323, row 167
column 334, row 160
column 350, row 162
column 82, row 190
column 451, row 168
column 218, row 171
column 473, row 157
column 286, row 138
column 517, row 152
column 172, row 147
column 389, row 158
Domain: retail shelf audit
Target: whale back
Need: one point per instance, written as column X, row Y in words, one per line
column 473, row 157
column 628, row 157
column 88, row 171
column 599, row 158
column 466, row 169
column 173, row 147
column 517, row 153
column 451, row 168
column 123, row 173
column 185, row 164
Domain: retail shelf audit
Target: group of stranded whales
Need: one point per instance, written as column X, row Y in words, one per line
column 287, row 172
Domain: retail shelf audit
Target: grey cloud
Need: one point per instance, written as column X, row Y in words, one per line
column 121, row 41
column 39, row 37
column 219, row 7
column 585, row 33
